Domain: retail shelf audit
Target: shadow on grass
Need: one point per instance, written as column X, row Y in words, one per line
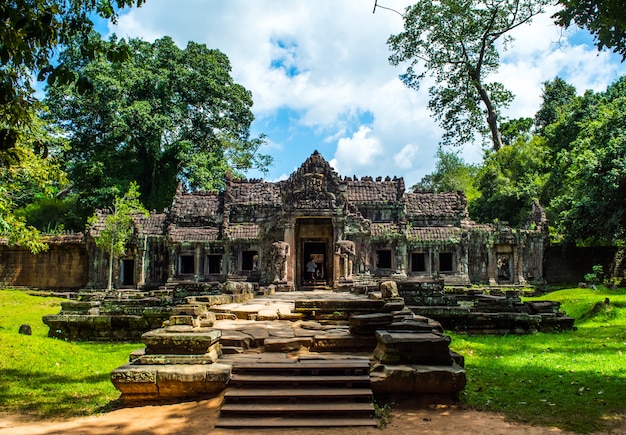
column 563, row 380
column 41, row 394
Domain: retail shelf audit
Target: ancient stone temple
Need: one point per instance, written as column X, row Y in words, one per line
column 319, row 229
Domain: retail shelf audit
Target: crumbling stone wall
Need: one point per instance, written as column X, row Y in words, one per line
column 65, row 265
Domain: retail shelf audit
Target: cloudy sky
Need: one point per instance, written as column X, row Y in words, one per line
column 320, row 78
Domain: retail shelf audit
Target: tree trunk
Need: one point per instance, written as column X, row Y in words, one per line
column 492, row 117
column 110, row 279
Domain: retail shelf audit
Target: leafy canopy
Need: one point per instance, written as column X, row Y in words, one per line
column 454, row 42
column 31, row 176
column 604, row 19
column 31, row 33
column 165, row 115
column 118, row 226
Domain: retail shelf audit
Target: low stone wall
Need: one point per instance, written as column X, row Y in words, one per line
column 568, row 265
column 65, row 265
column 126, row 315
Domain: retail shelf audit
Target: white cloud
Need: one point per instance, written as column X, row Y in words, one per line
column 361, row 150
column 326, row 62
column 404, row 159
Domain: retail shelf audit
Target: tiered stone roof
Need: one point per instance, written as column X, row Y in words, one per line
column 366, row 190
column 153, row 225
column 434, row 234
column 235, row 213
column 258, row 193
column 435, row 205
column 193, row 234
column 197, row 209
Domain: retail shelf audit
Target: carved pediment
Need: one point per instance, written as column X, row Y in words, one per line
column 314, row 186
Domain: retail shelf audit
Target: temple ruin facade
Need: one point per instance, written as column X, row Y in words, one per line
column 355, row 230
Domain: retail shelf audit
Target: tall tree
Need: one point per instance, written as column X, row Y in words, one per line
column 589, row 201
column 454, row 41
column 557, row 95
column 31, row 33
column 30, row 176
column 604, row 19
column 451, row 174
column 117, row 227
column 509, row 180
column 165, row 115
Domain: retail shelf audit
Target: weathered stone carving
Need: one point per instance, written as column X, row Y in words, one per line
column 279, row 253
column 347, row 253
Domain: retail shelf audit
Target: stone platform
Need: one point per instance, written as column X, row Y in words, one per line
column 186, row 360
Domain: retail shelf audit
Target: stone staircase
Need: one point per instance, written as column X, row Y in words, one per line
column 298, row 393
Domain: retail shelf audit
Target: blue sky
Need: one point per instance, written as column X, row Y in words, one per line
column 320, row 78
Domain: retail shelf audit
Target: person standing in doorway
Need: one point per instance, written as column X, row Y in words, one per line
column 311, row 268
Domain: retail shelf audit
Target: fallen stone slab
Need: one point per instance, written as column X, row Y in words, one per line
column 412, row 347
column 232, row 338
column 287, row 344
column 417, row 379
column 194, row 341
column 330, row 342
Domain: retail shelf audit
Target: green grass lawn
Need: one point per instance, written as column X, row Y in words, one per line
column 45, row 377
column 574, row 380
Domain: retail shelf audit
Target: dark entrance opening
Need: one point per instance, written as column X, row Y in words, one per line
column 128, row 272
column 315, row 251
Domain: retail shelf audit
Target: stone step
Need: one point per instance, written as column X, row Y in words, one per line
column 291, row 408
column 278, row 380
column 318, row 367
column 233, row 423
column 291, row 393
column 359, row 394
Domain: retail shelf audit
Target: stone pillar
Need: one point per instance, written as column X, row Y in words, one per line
column 199, row 263
column 142, row 261
column 172, row 264
column 289, row 236
column 492, row 266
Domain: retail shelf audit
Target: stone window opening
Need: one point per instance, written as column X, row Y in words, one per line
column 214, row 264
column 446, row 262
column 383, row 259
column 418, row 262
column 249, row 260
column 186, row 264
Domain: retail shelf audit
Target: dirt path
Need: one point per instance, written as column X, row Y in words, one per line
column 195, row 418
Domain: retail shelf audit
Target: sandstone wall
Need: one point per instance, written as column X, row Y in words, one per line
column 568, row 265
column 64, row 266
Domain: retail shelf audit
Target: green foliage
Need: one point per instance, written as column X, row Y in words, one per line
column 604, row 19
column 557, row 95
column 451, row 174
column 118, row 226
column 596, row 276
column 509, row 180
column 27, row 177
column 547, row 379
column 454, row 41
column 161, row 117
column 588, row 179
column 383, row 413
column 44, row 377
column 32, row 32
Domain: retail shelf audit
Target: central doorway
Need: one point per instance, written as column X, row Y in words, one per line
column 314, row 239
column 315, row 251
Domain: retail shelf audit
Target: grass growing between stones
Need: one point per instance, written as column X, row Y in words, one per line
column 573, row 380
column 45, row 377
